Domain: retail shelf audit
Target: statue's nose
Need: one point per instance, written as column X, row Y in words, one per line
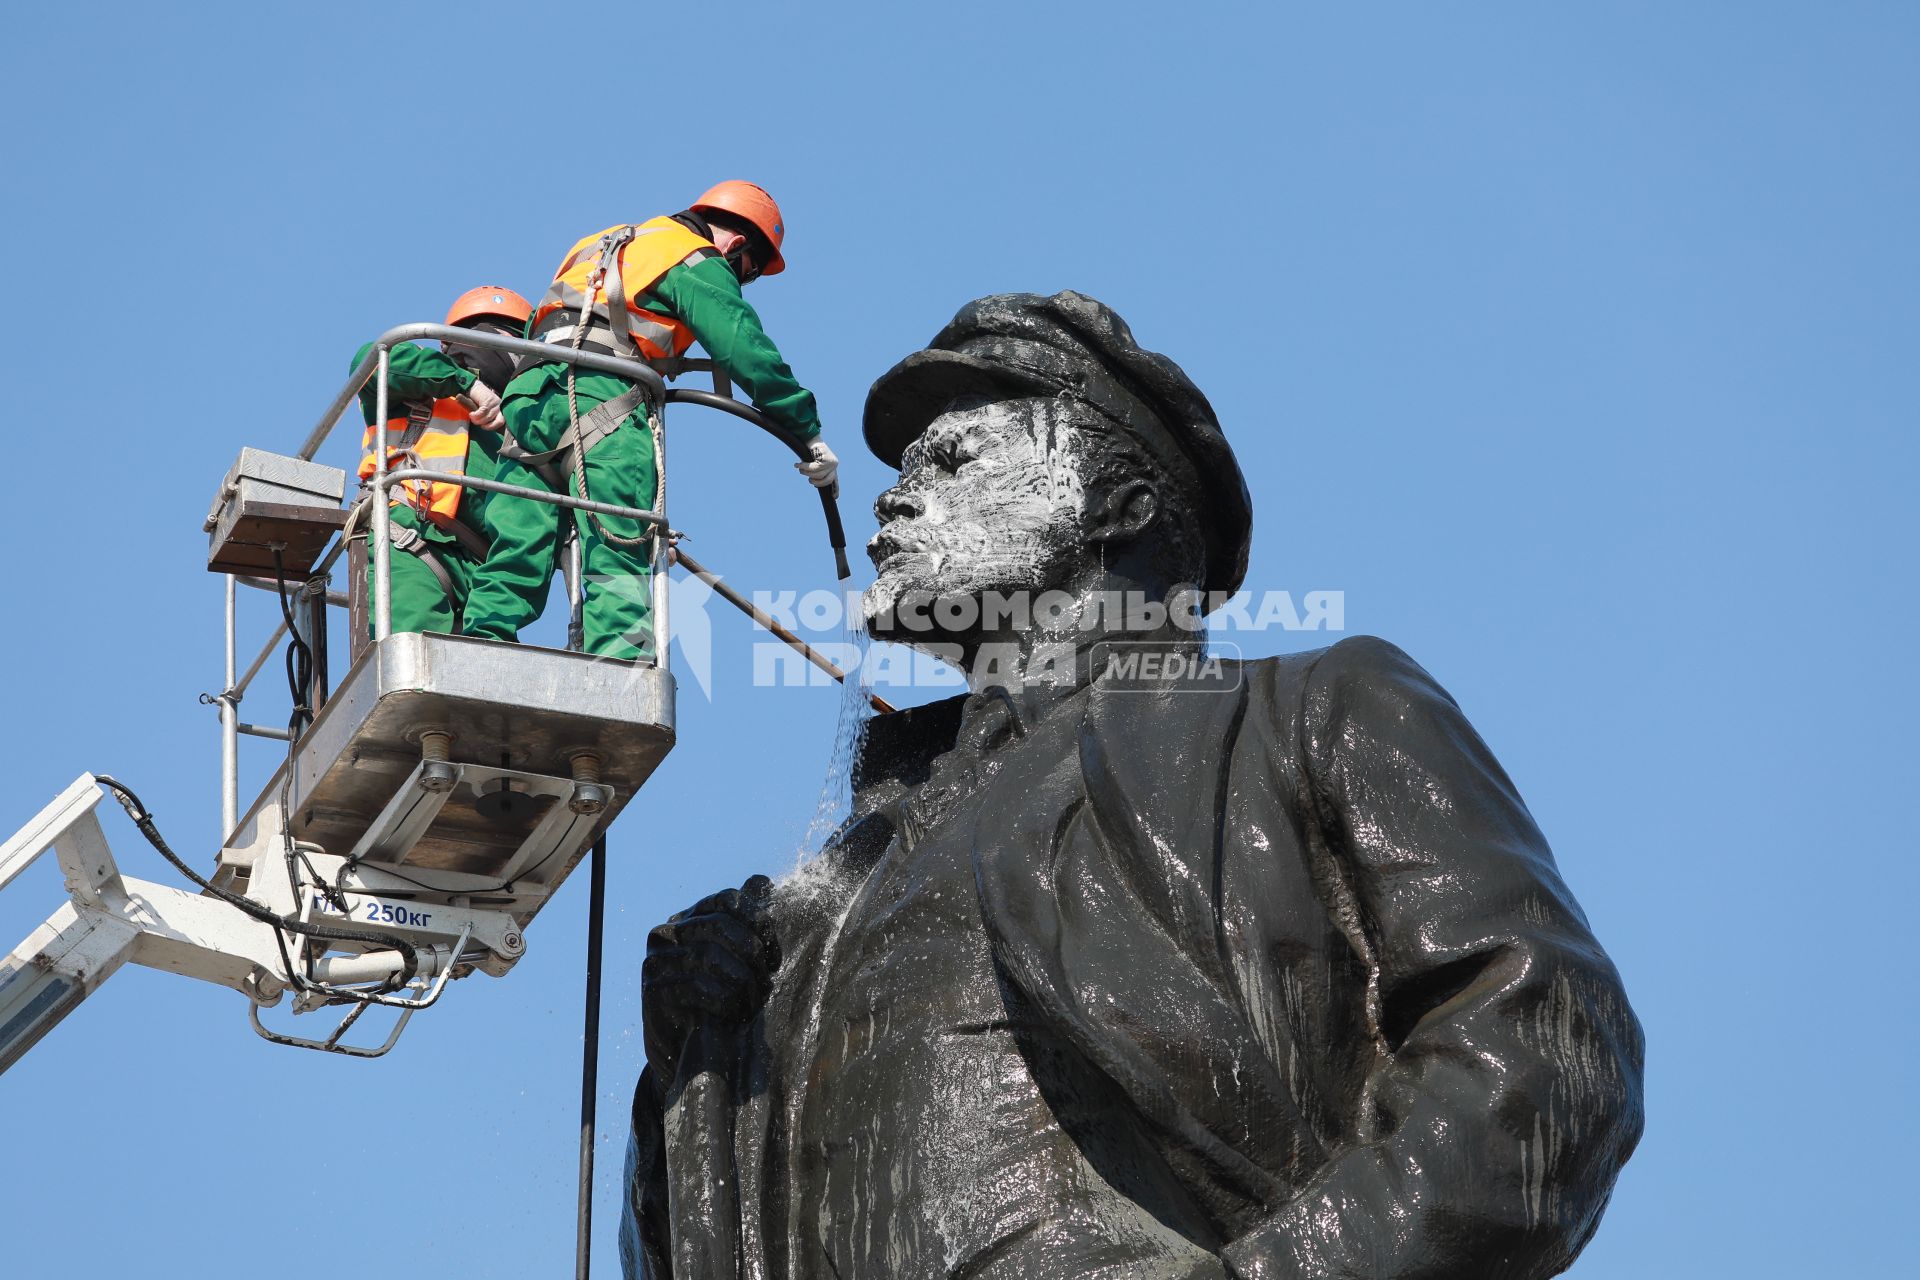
column 896, row 504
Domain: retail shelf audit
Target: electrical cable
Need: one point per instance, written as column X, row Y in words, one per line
column 325, row 933
column 300, row 669
column 590, row 1056
column 334, row 896
column 299, row 658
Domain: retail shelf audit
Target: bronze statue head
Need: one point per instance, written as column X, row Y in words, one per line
column 1041, row 449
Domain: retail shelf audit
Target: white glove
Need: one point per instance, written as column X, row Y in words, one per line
column 485, row 413
column 822, row 471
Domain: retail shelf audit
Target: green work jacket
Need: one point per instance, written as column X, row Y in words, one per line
column 417, row 373
column 706, row 297
column 413, row 373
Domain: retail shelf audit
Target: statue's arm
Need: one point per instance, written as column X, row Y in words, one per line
column 707, row 973
column 646, row 1246
column 1505, row 1091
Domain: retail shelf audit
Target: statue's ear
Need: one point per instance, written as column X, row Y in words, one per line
column 1122, row 513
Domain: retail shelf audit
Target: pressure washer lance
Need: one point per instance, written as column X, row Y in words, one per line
column 766, row 620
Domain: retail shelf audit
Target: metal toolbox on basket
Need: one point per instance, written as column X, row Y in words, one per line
column 266, row 499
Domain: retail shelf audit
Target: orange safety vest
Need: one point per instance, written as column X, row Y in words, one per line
column 657, row 247
column 431, row 436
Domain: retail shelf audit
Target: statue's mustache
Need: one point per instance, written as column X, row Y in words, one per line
column 895, row 538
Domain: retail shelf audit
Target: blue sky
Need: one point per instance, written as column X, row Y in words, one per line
column 1573, row 346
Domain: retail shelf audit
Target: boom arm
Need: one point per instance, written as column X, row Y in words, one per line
column 110, row 919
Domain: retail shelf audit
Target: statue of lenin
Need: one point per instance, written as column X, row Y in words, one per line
column 1222, row 969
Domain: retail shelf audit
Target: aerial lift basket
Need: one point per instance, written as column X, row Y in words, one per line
column 426, row 809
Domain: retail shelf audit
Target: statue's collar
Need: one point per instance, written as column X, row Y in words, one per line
column 897, row 750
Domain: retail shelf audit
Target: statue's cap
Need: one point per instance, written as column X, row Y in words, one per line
column 1023, row 344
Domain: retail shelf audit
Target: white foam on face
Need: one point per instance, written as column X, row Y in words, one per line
column 1000, row 493
column 999, row 496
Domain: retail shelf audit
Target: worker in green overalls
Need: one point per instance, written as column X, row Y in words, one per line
column 674, row 281
column 435, row 400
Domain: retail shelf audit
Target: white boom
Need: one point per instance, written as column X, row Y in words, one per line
column 382, row 860
column 110, row 919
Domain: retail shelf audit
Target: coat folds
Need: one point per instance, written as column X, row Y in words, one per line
column 1305, row 937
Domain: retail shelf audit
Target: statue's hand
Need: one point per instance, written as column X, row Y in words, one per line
column 709, row 968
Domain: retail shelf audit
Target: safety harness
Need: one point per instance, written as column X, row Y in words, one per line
column 614, row 337
column 554, row 465
column 420, row 422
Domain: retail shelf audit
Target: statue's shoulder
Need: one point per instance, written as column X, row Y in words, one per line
column 1268, row 705
column 1357, row 662
column 1318, row 695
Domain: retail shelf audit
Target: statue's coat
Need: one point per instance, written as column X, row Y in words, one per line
column 1301, row 935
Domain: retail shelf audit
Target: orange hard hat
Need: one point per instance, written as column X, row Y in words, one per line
column 489, row 300
column 745, row 200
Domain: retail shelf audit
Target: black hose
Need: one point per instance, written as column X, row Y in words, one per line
column 324, row 933
column 590, row 1060
column 299, row 658
column 300, row 687
column 727, row 404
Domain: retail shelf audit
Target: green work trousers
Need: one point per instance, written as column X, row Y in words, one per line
column 420, row 603
column 510, row 589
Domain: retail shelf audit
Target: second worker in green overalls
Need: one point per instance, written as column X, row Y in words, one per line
column 438, row 527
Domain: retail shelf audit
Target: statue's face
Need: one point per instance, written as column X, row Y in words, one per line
column 989, row 500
